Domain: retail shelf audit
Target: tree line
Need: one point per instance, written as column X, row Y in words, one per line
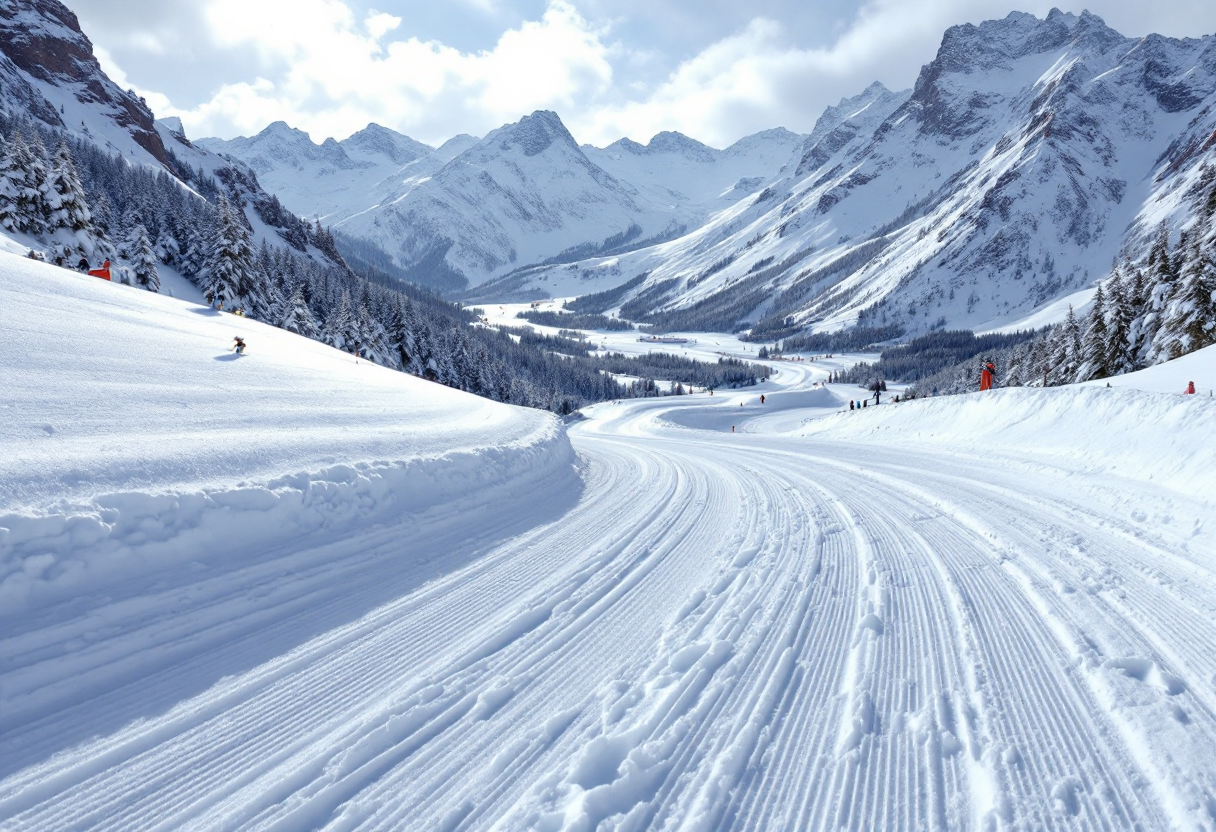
column 83, row 202
column 1146, row 311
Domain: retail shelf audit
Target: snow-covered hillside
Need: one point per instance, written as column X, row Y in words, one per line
column 1027, row 155
column 135, row 441
column 49, row 75
column 289, row 591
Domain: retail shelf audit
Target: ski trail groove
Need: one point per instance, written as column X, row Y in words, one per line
column 724, row 633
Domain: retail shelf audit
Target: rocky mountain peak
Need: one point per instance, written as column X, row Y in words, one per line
column 669, row 141
column 534, row 134
column 43, row 39
column 378, row 140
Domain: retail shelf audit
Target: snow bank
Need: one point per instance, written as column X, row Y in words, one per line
column 132, row 441
column 1125, row 432
column 1172, row 376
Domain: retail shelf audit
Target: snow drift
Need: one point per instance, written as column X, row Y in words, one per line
column 134, row 441
column 1123, row 431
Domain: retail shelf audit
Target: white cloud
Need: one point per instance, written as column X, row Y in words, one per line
column 326, row 74
column 755, row 79
column 380, row 24
column 331, row 66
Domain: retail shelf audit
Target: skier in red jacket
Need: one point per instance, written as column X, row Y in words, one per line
column 1190, row 388
column 987, row 375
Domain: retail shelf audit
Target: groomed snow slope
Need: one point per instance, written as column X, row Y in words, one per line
column 932, row 615
column 139, row 455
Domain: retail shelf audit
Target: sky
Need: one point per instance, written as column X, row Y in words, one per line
column 716, row 70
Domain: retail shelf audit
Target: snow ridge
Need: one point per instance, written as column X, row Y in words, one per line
column 1028, row 155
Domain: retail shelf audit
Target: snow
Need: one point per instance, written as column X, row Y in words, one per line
column 973, row 203
column 336, row 597
column 1172, row 376
column 500, row 209
column 1052, row 312
column 144, row 442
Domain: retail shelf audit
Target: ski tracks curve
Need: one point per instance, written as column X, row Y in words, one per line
column 725, row 633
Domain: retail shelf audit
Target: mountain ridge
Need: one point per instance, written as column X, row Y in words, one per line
column 1029, row 154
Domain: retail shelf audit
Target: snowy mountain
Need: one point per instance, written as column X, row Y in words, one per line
column 1028, row 154
column 330, row 180
column 678, row 171
column 49, row 78
column 48, row 72
column 477, row 209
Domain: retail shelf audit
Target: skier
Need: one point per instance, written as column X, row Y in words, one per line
column 987, row 376
column 850, row 404
column 239, row 346
column 1190, row 388
column 761, row 398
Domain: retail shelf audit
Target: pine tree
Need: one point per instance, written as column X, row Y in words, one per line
column 1065, row 351
column 10, row 185
column 339, row 325
column 229, row 267
column 33, row 201
column 69, row 221
column 1119, row 353
column 23, row 183
column 143, row 259
column 1160, row 280
column 103, row 215
column 1094, row 344
column 1189, row 322
column 297, row 317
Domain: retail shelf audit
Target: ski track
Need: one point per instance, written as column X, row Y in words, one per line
column 722, row 632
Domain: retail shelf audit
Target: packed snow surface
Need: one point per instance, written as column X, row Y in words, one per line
column 992, row 611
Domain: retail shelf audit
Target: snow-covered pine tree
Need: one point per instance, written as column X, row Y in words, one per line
column 338, row 329
column 1093, row 345
column 10, row 183
column 102, row 213
column 1120, row 357
column 33, row 202
column 168, row 245
column 1189, row 321
column 142, row 257
column 297, row 317
column 23, row 183
column 1160, row 282
column 1065, row 351
column 69, row 220
column 230, row 270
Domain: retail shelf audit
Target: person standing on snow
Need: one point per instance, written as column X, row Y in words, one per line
column 1190, row 388
column 987, row 376
column 239, row 346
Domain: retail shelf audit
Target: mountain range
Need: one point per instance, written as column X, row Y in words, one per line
column 525, row 195
column 1028, row 155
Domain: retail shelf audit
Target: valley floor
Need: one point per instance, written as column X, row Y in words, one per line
column 821, row 621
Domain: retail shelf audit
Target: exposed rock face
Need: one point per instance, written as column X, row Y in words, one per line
column 43, row 40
